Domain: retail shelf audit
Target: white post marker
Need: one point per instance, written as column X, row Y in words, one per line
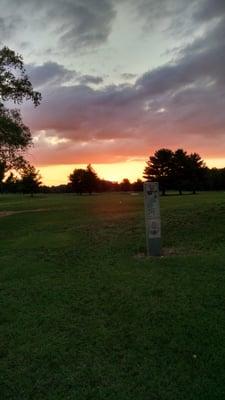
column 152, row 218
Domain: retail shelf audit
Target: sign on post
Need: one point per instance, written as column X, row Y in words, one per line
column 152, row 218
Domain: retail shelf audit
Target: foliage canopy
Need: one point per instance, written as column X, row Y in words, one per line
column 175, row 170
column 15, row 87
column 84, row 180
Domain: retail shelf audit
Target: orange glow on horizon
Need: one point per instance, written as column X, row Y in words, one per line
column 133, row 170
column 116, row 172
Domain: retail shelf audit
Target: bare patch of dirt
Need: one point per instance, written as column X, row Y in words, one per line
column 8, row 213
column 5, row 213
column 169, row 252
column 140, row 255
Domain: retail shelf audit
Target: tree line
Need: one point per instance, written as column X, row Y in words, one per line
column 174, row 170
column 80, row 181
column 180, row 171
column 177, row 171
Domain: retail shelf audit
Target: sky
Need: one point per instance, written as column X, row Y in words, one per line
column 120, row 79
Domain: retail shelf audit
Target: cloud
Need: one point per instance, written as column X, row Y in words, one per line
column 174, row 16
column 90, row 79
column 54, row 75
column 128, row 76
column 85, row 23
column 8, row 25
column 68, row 24
column 117, row 121
column 50, row 73
column 209, row 9
column 180, row 103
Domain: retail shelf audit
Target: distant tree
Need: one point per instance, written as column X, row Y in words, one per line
column 159, row 168
column 91, row 179
column 84, row 180
column 179, row 169
column 77, row 181
column 137, row 186
column 196, row 170
column 215, row 178
column 11, row 184
column 176, row 170
column 31, row 180
column 15, row 137
column 105, row 186
column 125, row 185
column 2, row 173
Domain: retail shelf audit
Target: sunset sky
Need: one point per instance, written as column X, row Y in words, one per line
column 120, row 79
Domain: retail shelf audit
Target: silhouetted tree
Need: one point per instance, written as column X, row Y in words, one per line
column 179, row 169
column 2, row 173
column 31, row 180
column 77, row 180
column 196, row 170
column 215, row 178
column 91, row 179
column 105, row 186
column 15, row 137
column 84, row 180
column 137, row 186
column 125, row 185
column 159, row 168
column 12, row 184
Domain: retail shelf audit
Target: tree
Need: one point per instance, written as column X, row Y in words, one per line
column 31, row 180
column 15, row 137
column 77, row 181
column 84, row 180
column 179, row 169
column 11, row 184
column 125, row 185
column 92, row 179
column 215, row 178
column 159, row 168
column 138, row 186
column 2, row 173
column 196, row 170
column 176, row 170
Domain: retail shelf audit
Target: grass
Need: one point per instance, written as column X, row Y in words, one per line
column 85, row 316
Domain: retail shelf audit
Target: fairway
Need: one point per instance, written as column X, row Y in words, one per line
column 85, row 315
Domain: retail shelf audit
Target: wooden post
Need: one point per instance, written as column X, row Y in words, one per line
column 152, row 218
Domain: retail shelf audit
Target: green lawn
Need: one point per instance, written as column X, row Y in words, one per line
column 84, row 315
